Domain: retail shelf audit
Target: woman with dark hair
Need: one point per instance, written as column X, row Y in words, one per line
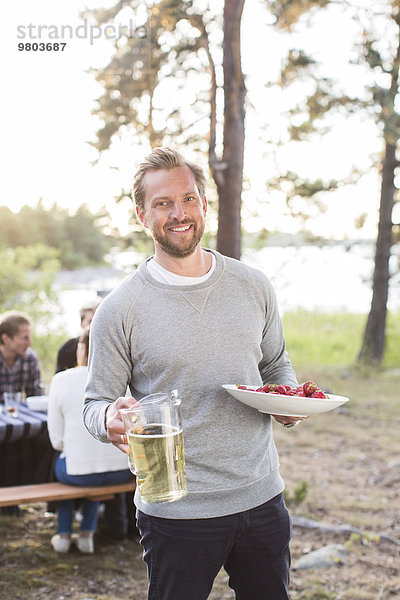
column 83, row 460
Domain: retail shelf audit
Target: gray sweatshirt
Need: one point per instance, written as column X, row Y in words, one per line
column 156, row 337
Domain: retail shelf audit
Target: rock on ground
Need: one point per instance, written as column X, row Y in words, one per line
column 328, row 556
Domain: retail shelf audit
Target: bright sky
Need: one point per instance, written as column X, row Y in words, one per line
column 47, row 98
column 47, row 120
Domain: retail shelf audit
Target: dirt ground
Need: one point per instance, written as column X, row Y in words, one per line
column 349, row 462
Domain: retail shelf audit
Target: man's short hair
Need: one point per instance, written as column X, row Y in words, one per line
column 11, row 321
column 164, row 158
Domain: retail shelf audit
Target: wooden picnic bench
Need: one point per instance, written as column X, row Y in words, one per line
column 44, row 492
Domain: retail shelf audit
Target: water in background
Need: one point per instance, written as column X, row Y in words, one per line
column 328, row 278
column 75, row 288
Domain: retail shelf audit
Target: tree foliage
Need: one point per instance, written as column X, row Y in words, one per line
column 145, row 82
column 288, row 12
column 78, row 237
column 378, row 50
column 168, row 91
column 27, row 274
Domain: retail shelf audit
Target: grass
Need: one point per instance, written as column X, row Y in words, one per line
column 334, row 339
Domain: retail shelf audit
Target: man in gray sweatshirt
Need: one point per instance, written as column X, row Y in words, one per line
column 191, row 319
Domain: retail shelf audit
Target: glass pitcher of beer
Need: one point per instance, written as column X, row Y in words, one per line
column 156, row 453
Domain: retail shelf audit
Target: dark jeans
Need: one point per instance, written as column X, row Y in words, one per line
column 183, row 557
column 90, row 507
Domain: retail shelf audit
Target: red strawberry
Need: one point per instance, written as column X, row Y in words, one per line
column 309, row 388
column 281, row 389
column 318, row 394
column 271, row 387
column 267, row 388
column 241, row 387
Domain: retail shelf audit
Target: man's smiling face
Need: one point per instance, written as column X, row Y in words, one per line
column 18, row 344
column 173, row 210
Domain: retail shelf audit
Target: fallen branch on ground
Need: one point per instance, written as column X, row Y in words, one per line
column 310, row 524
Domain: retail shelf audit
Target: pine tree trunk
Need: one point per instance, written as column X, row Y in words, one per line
column 229, row 173
column 373, row 345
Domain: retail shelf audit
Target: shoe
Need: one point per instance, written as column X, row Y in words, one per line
column 84, row 544
column 61, row 544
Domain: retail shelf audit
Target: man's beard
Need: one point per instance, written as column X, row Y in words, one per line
column 180, row 250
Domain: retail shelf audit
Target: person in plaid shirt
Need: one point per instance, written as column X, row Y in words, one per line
column 19, row 365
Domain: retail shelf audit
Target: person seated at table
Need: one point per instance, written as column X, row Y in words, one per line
column 19, row 364
column 83, row 459
column 66, row 356
column 19, row 372
column 119, row 515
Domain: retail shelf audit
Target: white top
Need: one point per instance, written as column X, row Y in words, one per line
column 164, row 276
column 84, row 454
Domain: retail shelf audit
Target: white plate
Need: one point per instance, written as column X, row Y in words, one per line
column 39, row 403
column 293, row 406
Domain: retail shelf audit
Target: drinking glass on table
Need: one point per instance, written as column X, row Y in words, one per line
column 12, row 401
column 156, row 455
